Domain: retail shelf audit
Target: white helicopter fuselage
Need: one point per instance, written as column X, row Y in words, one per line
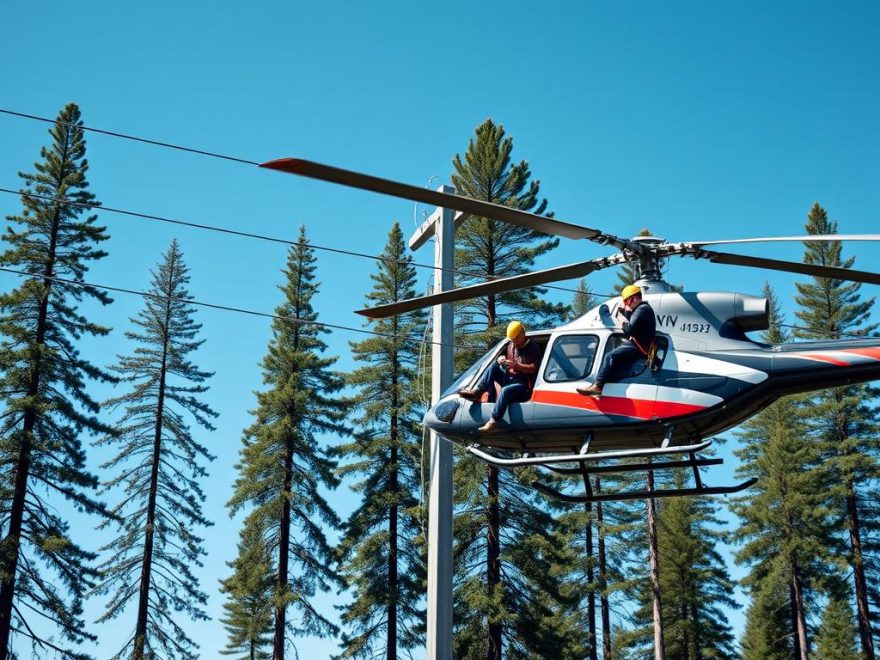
column 708, row 377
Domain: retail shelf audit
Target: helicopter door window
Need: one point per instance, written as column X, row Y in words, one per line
column 662, row 346
column 571, row 358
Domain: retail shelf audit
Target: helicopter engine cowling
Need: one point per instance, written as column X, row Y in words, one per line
column 752, row 312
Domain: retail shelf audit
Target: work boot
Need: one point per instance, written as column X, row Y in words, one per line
column 470, row 395
column 488, row 427
column 593, row 390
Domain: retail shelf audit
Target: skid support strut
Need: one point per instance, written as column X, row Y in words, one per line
column 588, row 464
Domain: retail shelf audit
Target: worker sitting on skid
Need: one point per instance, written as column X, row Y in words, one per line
column 640, row 328
column 514, row 372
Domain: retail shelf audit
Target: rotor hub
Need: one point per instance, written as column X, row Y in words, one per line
column 648, row 264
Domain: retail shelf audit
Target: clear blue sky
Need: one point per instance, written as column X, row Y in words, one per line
column 699, row 120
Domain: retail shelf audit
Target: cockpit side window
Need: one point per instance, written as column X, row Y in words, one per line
column 571, row 358
column 639, row 366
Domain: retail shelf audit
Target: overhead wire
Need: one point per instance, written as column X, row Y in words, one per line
column 243, row 234
column 227, row 308
column 134, row 138
column 213, row 154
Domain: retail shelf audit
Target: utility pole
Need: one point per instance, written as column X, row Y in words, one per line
column 441, row 225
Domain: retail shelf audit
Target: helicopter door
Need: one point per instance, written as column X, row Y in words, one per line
column 522, row 413
column 518, row 415
column 635, row 395
column 567, row 364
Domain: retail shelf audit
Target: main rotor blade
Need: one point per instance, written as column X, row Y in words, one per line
column 456, row 202
column 776, row 239
column 830, row 272
column 487, row 288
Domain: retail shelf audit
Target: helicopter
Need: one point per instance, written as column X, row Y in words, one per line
column 704, row 376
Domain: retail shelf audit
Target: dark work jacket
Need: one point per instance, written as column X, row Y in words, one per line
column 530, row 353
column 641, row 328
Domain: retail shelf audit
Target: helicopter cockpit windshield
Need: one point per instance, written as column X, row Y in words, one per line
column 464, row 380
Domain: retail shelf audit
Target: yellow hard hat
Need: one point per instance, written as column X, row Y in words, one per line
column 514, row 329
column 629, row 291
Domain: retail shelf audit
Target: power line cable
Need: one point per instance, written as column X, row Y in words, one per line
column 227, row 308
column 244, row 234
column 134, row 138
column 213, row 154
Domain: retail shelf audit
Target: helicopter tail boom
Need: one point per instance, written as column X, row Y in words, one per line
column 809, row 366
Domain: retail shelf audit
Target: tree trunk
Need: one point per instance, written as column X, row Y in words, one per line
column 802, row 648
column 861, row 588
column 283, row 559
column 659, row 649
column 391, row 640
column 140, row 632
column 603, row 580
column 493, row 562
column 591, row 598
column 10, row 547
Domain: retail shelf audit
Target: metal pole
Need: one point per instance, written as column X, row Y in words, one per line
column 439, row 643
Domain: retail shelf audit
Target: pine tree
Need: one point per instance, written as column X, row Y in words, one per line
column 694, row 579
column 249, row 606
column 283, row 465
column 159, row 471
column 516, row 610
column 767, row 631
column 487, row 248
column 836, row 639
column 583, row 300
column 846, row 423
column 579, row 569
column 784, row 536
column 381, row 551
column 504, row 548
column 46, row 407
column 643, row 571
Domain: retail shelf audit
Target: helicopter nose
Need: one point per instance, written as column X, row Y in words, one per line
column 442, row 416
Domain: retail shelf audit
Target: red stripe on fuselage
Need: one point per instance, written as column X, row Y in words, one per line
column 823, row 358
column 869, row 352
column 614, row 405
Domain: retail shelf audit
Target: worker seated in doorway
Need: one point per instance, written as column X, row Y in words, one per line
column 640, row 329
column 514, row 372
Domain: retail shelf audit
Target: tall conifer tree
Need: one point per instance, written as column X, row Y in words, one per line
column 159, row 469
column 784, row 535
column 503, row 547
column 381, row 551
column 249, row 606
column 46, row 407
column 836, row 637
column 283, row 464
column 846, row 422
column 487, row 248
column 583, row 300
column 766, row 635
column 693, row 579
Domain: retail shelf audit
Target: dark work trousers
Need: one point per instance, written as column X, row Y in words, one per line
column 618, row 363
column 512, row 391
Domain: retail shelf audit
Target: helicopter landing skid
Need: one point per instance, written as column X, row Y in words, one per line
column 642, row 494
column 587, row 467
column 583, row 457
